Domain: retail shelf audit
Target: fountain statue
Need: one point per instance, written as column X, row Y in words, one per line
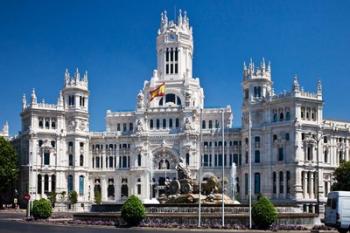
column 185, row 189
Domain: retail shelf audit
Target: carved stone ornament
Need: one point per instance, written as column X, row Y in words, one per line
column 140, row 100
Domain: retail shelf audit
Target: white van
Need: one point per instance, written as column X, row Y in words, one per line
column 338, row 211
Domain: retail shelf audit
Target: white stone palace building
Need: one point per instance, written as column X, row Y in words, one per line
column 293, row 149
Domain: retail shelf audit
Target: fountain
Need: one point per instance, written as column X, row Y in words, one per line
column 185, row 189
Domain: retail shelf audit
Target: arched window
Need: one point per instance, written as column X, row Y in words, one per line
column 139, row 186
column 210, row 124
column 70, row 183
column 158, row 123
column 281, row 182
column 53, row 183
column 46, row 184
column 164, row 164
column 81, row 185
column 124, row 191
column 177, row 123
column 110, row 161
column 46, row 158
column 110, row 189
column 274, row 179
column 187, row 159
column 170, row 98
column 70, row 160
column 139, row 160
column 281, row 116
column 39, row 184
column 170, row 123
column 287, row 116
column 81, row 160
column 98, row 162
column 178, row 101
column 151, row 124
column 288, row 182
column 203, row 124
column 164, row 123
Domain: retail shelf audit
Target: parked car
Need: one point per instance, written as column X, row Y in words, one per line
column 338, row 211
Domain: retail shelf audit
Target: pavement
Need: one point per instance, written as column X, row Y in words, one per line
column 12, row 221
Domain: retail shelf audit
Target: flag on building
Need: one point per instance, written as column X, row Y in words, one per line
column 158, row 91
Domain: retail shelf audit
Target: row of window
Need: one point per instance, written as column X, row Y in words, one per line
column 47, row 123
column 71, row 160
column 219, row 143
column 71, row 100
column 280, row 114
column 45, row 179
column 171, row 61
column 210, row 124
column 216, row 160
column 156, row 123
column 110, row 146
column 308, row 113
column 124, row 189
column 124, row 127
column 70, row 184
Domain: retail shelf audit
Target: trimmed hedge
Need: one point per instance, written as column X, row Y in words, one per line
column 133, row 211
column 264, row 213
column 41, row 208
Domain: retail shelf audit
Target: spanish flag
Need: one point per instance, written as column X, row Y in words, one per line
column 158, row 91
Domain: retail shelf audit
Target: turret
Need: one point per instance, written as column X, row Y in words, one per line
column 174, row 48
column 74, row 95
column 257, row 82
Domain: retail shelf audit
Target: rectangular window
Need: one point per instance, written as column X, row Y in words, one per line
column 81, row 185
column 131, row 127
column 139, row 189
column 70, row 184
column 118, row 127
column 158, row 123
column 70, row 160
column 164, row 123
column 170, row 123
column 257, row 183
column 206, row 161
column 177, row 123
column 46, row 158
column 280, row 154
column 124, row 127
column 41, row 123
column 246, row 184
column 151, row 124
column 257, row 156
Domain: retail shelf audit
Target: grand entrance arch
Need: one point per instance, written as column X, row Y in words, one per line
column 164, row 163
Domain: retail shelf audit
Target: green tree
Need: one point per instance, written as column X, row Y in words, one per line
column 8, row 170
column 342, row 177
column 42, row 208
column 52, row 198
column 264, row 213
column 98, row 197
column 133, row 211
column 73, row 197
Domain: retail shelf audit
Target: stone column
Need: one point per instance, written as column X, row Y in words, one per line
column 104, row 188
column 305, row 184
column 298, row 188
column 312, row 185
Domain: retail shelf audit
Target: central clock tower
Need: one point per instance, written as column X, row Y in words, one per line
column 174, row 48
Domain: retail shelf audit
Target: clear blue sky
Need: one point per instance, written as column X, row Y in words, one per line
column 115, row 42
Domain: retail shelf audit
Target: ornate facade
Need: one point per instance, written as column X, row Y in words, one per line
column 293, row 149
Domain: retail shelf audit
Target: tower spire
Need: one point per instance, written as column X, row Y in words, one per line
column 24, row 102
column 34, row 99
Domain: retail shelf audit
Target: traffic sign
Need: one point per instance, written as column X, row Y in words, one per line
column 26, row 197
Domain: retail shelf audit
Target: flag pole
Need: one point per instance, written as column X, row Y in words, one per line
column 200, row 170
column 250, row 167
column 223, row 171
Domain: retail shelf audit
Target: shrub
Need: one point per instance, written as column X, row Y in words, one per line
column 98, row 197
column 73, row 197
column 42, row 208
column 264, row 213
column 52, row 198
column 133, row 211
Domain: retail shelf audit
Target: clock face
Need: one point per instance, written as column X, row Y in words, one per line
column 172, row 37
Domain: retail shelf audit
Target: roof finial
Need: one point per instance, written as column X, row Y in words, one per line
column 34, row 99
column 24, row 101
column 296, row 86
column 319, row 87
column 179, row 21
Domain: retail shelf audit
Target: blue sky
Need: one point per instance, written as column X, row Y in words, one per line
column 115, row 42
